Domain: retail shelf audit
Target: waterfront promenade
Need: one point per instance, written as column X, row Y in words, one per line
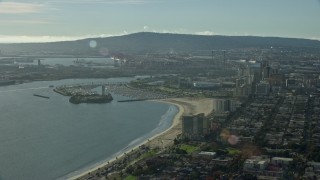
column 165, row 139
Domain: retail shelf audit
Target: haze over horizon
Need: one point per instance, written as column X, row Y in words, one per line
column 57, row 20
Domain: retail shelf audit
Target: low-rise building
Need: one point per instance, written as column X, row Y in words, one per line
column 255, row 163
column 281, row 161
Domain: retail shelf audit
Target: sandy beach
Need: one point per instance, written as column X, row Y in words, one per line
column 187, row 106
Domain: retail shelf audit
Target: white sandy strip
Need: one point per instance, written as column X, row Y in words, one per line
column 194, row 106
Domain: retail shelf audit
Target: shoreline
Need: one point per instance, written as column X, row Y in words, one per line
column 186, row 106
column 175, row 122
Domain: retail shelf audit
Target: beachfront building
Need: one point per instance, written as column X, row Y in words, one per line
column 194, row 126
column 222, row 105
column 226, row 105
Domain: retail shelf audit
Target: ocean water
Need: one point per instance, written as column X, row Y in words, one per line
column 52, row 138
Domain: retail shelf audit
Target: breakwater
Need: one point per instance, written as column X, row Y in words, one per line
column 37, row 95
column 132, row 100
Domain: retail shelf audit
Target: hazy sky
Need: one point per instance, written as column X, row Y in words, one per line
column 50, row 20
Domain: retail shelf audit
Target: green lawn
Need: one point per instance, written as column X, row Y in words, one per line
column 232, row 151
column 147, row 154
column 189, row 148
column 130, row 177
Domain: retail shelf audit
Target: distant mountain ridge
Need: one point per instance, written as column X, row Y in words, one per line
column 157, row 42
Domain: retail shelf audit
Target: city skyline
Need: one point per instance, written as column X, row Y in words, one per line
column 57, row 20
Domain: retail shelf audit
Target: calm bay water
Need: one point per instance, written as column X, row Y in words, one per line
column 51, row 138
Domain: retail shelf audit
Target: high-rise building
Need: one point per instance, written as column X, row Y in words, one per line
column 226, row 105
column 194, row 125
column 263, row 88
column 222, row 105
column 263, row 69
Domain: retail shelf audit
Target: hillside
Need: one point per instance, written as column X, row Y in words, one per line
column 157, row 42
